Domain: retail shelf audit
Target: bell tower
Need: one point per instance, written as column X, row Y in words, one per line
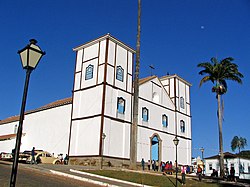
column 102, row 100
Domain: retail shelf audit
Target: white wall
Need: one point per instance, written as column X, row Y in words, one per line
column 5, row 129
column 87, row 103
column 111, row 103
column 117, row 142
column 85, row 137
column 47, row 130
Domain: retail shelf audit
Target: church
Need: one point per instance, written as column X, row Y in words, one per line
column 95, row 123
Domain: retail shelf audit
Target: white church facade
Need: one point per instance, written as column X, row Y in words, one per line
column 96, row 121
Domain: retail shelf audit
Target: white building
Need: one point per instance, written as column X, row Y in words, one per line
column 101, row 104
column 230, row 161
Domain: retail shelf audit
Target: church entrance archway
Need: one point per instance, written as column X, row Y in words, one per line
column 155, row 147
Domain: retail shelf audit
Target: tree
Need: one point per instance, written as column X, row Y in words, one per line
column 218, row 72
column 133, row 140
column 238, row 143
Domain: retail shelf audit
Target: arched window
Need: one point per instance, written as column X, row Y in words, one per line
column 144, row 114
column 119, row 73
column 120, row 105
column 156, row 97
column 182, row 126
column 89, row 72
column 182, row 102
column 164, row 120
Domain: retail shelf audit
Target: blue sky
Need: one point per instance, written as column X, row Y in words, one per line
column 175, row 37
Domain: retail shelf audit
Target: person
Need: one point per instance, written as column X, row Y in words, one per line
column 167, row 167
column 157, row 165
column 153, row 165
column 33, row 160
column 60, row 157
column 66, row 159
column 215, row 173
column 162, row 166
column 183, row 174
column 149, row 164
column 199, row 171
column 13, row 153
column 170, row 167
column 232, row 173
column 188, row 169
column 226, row 173
column 109, row 163
column 142, row 163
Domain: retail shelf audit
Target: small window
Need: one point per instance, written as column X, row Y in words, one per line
column 182, row 126
column 89, row 72
column 210, row 167
column 182, row 102
column 119, row 73
column 164, row 120
column 144, row 114
column 120, row 105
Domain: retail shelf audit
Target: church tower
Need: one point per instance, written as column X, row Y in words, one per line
column 102, row 101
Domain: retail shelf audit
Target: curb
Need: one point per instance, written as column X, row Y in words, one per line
column 81, row 178
column 107, row 178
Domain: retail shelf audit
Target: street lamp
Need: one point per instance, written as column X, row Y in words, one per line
column 30, row 57
column 176, row 142
column 202, row 152
column 103, row 137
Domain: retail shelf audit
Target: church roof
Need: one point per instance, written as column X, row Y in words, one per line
column 226, row 156
column 47, row 106
column 175, row 76
column 146, row 79
column 104, row 37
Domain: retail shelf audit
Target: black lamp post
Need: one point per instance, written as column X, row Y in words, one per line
column 176, row 142
column 30, row 57
column 103, row 137
column 202, row 157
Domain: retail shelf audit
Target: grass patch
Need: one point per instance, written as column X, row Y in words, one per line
column 149, row 179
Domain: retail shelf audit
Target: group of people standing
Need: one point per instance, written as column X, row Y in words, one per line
column 155, row 165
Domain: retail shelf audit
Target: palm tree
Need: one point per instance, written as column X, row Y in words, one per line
column 238, row 143
column 133, row 140
column 218, row 72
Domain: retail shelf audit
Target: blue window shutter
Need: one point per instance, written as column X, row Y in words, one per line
column 89, row 72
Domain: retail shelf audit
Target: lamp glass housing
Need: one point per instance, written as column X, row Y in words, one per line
column 202, row 149
column 176, row 141
column 30, row 56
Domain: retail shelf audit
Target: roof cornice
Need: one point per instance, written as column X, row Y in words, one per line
column 115, row 40
column 175, row 76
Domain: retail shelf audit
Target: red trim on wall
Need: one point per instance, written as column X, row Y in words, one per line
column 104, row 94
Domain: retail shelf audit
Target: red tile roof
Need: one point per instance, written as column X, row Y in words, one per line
column 48, row 106
column 146, row 79
column 7, row 137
